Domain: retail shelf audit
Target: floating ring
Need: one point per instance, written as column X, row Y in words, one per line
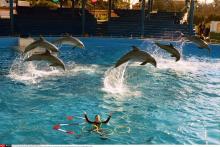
column 84, row 129
column 110, row 132
column 128, row 129
column 124, row 117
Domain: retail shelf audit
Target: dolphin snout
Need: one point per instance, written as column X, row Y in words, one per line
column 82, row 46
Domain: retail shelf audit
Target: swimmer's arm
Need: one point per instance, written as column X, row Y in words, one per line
column 87, row 119
column 107, row 120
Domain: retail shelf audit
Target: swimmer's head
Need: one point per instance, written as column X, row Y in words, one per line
column 97, row 118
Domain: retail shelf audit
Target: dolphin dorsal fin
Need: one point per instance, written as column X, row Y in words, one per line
column 135, row 48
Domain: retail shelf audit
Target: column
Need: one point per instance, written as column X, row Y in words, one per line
column 109, row 9
column 83, row 16
column 11, row 17
column 148, row 4
column 151, row 5
column 186, row 3
column 191, row 17
column 142, row 17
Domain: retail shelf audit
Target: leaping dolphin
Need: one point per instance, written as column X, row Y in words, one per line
column 137, row 54
column 43, row 44
column 69, row 40
column 170, row 49
column 47, row 56
column 198, row 41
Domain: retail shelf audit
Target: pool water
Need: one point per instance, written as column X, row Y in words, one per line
column 175, row 103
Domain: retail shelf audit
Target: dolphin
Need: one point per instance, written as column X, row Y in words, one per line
column 198, row 41
column 70, row 40
column 41, row 43
column 170, row 49
column 139, row 55
column 46, row 56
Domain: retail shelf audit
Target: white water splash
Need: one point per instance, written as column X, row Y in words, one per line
column 32, row 73
column 191, row 65
column 114, row 79
column 183, row 66
column 115, row 83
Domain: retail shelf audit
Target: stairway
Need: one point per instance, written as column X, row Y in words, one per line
column 101, row 29
column 159, row 25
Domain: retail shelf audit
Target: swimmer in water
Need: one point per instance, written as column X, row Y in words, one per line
column 96, row 125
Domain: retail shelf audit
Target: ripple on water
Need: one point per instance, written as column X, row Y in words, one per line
column 176, row 103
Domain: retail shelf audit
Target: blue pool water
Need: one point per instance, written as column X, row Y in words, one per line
column 176, row 103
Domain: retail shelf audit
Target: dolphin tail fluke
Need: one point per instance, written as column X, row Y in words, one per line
column 143, row 63
column 122, row 60
column 177, row 57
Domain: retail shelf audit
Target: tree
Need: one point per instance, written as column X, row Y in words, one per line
column 217, row 3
